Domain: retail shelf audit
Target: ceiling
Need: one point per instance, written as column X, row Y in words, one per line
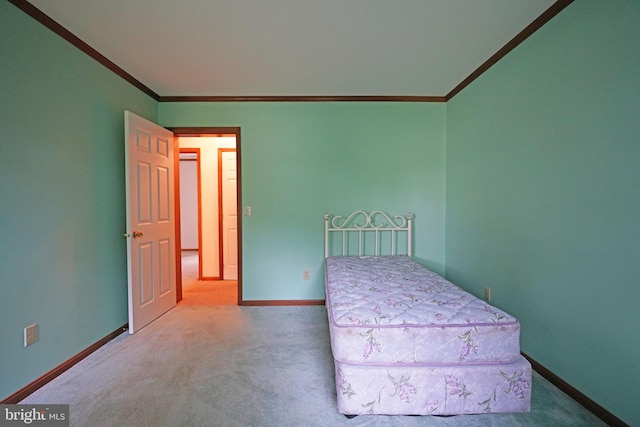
column 260, row 48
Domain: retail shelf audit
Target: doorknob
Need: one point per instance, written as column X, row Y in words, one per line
column 136, row 234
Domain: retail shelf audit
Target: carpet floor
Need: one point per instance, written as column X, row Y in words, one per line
column 204, row 292
column 243, row 366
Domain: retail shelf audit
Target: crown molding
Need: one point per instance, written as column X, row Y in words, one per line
column 545, row 17
column 312, row 98
column 45, row 20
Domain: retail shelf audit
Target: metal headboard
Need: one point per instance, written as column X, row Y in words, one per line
column 364, row 224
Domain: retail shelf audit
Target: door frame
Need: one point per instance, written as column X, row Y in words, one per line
column 208, row 131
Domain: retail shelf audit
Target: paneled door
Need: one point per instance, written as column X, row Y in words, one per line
column 229, row 227
column 150, row 212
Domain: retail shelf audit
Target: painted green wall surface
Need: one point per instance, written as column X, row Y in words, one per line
column 543, row 196
column 527, row 182
column 63, row 263
column 300, row 160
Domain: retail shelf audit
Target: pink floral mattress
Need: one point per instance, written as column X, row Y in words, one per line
column 391, row 310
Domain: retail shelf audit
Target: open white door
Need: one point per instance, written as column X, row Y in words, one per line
column 229, row 214
column 151, row 245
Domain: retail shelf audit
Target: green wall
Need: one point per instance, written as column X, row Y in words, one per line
column 536, row 164
column 63, row 263
column 300, row 160
column 543, row 196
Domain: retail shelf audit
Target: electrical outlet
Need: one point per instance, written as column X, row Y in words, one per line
column 306, row 275
column 30, row 334
column 487, row 294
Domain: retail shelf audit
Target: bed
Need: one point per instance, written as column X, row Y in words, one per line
column 405, row 341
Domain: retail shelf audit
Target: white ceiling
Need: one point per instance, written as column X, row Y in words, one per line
column 296, row 47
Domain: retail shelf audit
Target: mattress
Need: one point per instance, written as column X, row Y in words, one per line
column 392, row 310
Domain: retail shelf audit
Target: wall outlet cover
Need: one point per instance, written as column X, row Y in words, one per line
column 30, row 334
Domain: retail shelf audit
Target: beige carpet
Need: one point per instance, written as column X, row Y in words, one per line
column 226, row 366
column 204, row 292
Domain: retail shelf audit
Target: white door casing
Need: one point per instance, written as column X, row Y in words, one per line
column 150, row 213
column 229, row 215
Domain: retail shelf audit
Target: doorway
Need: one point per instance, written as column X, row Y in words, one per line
column 201, row 147
column 190, row 213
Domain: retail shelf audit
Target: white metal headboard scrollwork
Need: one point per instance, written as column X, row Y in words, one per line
column 362, row 223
